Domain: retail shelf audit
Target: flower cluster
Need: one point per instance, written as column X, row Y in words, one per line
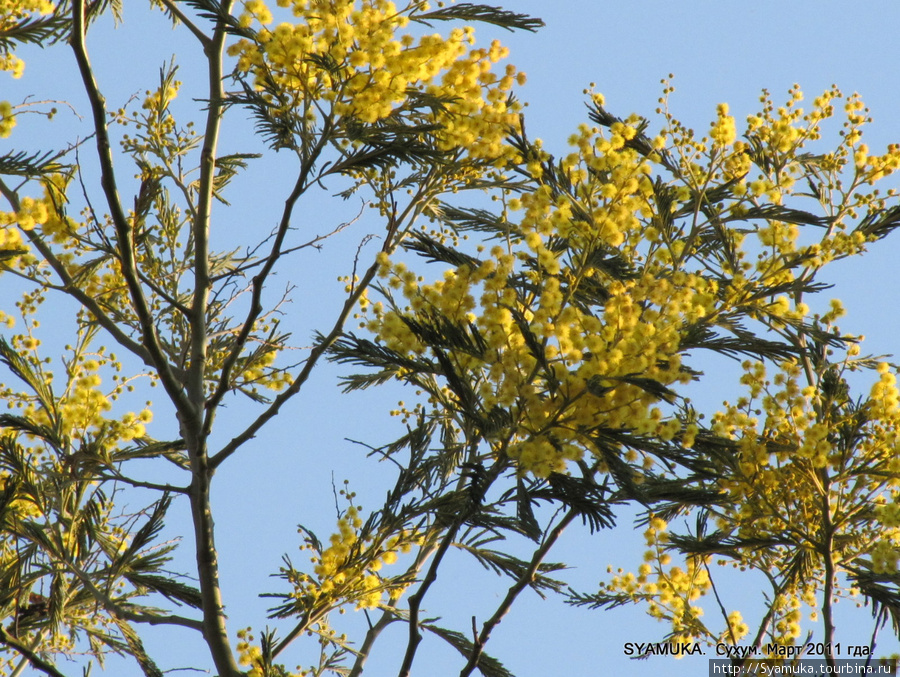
column 371, row 70
column 7, row 119
column 669, row 591
column 346, row 572
column 566, row 345
column 251, row 656
column 586, row 358
column 82, row 411
column 808, row 458
column 806, row 463
column 13, row 13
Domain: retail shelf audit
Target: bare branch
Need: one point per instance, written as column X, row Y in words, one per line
column 259, row 280
column 387, row 617
column 311, row 243
column 393, row 237
column 315, row 355
column 116, row 476
column 415, row 600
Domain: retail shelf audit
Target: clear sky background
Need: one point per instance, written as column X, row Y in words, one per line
column 718, row 52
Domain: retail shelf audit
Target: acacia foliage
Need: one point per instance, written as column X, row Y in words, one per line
column 559, row 347
column 547, row 363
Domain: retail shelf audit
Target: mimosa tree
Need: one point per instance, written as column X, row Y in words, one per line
column 546, row 365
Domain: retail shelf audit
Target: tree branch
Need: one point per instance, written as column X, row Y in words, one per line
column 124, row 234
column 119, row 477
column 514, row 591
column 415, row 600
column 387, row 617
column 259, row 280
column 35, row 660
column 214, row 626
column 202, row 38
column 315, row 354
column 394, row 235
column 314, row 242
column 69, row 287
column 116, row 610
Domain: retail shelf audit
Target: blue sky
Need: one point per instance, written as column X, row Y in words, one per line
column 718, row 52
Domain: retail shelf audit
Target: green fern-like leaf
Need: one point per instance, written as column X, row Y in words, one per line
column 39, row 31
column 489, row 666
column 23, row 164
column 466, row 11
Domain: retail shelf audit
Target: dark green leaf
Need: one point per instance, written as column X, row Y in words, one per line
column 22, row 164
column 466, row 11
column 171, row 589
column 41, row 31
column 489, row 667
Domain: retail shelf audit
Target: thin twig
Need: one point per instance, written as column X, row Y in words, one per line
column 393, row 237
column 116, row 476
column 315, row 355
column 183, row 18
column 415, row 600
column 258, row 285
column 311, row 243
column 722, row 609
